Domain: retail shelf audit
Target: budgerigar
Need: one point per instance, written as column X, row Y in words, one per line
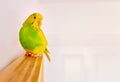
column 32, row 38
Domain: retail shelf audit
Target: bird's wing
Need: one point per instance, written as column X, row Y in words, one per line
column 43, row 38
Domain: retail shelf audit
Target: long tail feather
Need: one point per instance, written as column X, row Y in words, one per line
column 47, row 54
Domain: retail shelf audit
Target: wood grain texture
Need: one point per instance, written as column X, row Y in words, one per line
column 24, row 69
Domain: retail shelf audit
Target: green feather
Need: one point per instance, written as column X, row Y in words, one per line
column 29, row 37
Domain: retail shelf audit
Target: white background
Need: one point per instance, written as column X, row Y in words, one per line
column 83, row 36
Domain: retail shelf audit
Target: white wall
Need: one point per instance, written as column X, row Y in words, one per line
column 84, row 37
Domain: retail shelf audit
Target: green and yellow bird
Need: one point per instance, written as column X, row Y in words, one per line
column 32, row 37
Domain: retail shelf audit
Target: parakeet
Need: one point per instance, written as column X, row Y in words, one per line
column 32, row 37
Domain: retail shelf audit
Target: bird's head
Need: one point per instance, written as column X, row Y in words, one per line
column 35, row 19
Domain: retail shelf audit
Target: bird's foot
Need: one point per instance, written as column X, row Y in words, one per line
column 30, row 54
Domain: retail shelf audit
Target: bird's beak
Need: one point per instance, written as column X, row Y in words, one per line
column 39, row 23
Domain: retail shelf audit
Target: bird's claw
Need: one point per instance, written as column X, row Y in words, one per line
column 30, row 54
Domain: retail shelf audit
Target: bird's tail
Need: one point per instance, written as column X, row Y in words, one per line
column 47, row 54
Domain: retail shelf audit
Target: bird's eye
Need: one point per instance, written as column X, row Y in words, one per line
column 34, row 17
column 32, row 22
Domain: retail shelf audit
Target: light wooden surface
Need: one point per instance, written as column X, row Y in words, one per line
column 24, row 69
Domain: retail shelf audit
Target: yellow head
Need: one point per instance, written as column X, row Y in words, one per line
column 35, row 19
